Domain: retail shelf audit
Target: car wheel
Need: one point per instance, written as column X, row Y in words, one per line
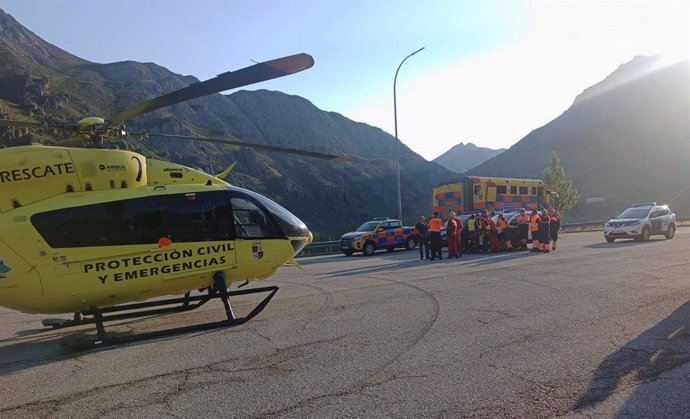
column 369, row 249
column 645, row 234
column 348, row 252
column 671, row 231
column 411, row 244
column 610, row 239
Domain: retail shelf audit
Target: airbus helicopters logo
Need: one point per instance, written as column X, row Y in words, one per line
column 112, row 167
column 4, row 269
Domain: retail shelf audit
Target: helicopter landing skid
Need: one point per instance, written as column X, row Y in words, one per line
column 143, row 309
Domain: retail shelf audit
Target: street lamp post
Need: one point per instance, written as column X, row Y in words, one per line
column 397, row 147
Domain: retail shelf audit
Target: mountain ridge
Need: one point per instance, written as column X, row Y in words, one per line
column 463, row 157
column 330, row 196
column 622, row 141
column 624, row 138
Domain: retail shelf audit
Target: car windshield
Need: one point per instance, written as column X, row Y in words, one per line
column 634, row 213
column 368, row 226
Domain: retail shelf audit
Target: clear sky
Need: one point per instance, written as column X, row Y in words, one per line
column 491, row 70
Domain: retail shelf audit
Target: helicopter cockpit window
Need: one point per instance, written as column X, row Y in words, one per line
column 181, row 217
column 251, row 221
column 289, row 224
column 193, row 217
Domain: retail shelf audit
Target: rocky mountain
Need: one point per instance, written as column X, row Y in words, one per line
column 463, row 157
column 623, row 140
column 40, row 82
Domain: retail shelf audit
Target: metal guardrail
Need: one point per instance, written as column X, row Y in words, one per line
column 332, row 247
column 321, row 248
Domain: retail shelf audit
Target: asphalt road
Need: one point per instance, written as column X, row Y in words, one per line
column 594, row 329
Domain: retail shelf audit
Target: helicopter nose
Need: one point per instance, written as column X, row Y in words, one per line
column 300, row 243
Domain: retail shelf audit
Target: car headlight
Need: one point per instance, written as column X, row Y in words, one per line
column 607, row 224
column 357, row 238
column 634, row 223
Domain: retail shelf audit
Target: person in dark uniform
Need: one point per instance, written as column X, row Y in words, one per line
column 471, row 236
column 484, row 230
column 554, row 227
column 422, row 237
column 543, row 232
column 523, row 229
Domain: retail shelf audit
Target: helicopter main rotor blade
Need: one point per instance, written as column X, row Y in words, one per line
column 230, row 80
column 240, row 143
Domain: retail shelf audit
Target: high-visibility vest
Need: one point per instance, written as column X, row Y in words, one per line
column 435, row 225
column 502, row 223
column 471, row 224
column 533, row 223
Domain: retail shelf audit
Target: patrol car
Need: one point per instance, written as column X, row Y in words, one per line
column 641, row 221
column 379, row 233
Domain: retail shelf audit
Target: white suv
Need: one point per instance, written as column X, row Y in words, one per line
column 641, row 221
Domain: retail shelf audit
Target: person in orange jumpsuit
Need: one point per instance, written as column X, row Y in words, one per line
column 452, row 238
column 458, row 223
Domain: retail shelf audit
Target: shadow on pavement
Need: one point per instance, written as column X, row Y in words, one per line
column 662, row 348
column 623, row 243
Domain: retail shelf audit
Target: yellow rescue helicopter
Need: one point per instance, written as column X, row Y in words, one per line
column 97, row 232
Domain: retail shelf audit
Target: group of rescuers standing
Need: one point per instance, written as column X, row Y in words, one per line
column 484, row 233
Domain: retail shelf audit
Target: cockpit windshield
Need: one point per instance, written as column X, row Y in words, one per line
column 290, row 224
